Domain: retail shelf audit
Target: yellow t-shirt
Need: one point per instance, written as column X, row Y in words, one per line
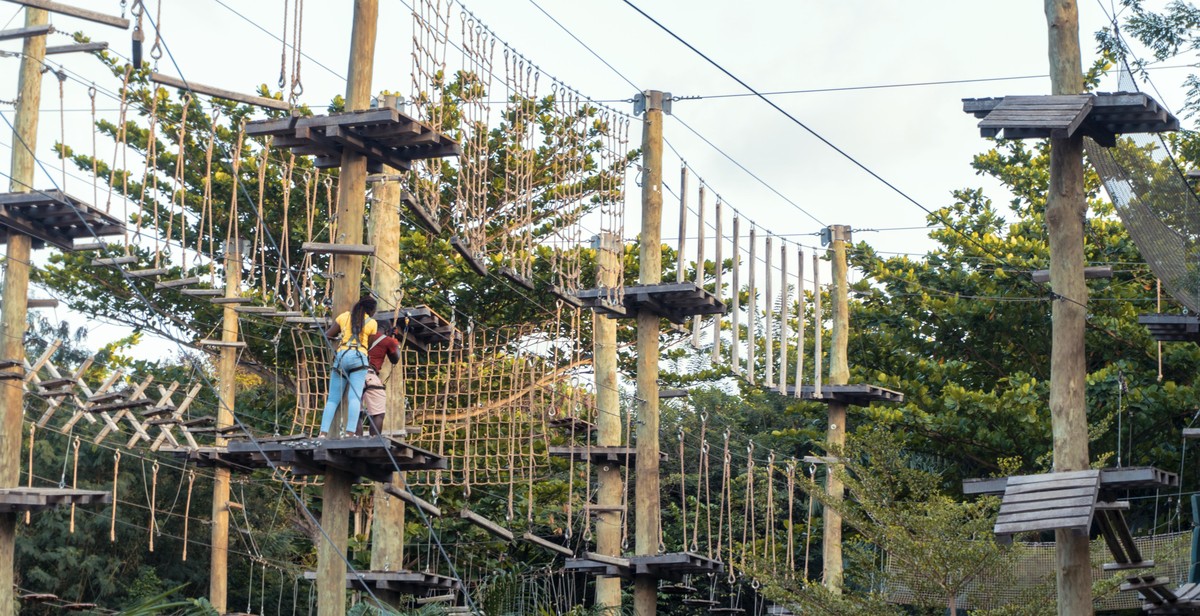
column 369, row 327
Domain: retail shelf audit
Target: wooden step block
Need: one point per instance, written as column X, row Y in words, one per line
column 255, row 309
column 284, row 314
column 88, row 246
column 365, row 250
column 486, row 524
column 547, row 544
column 105, row 261
column 147, row 273
column 414, row 500
column 203, row 292
column 223, row 344
column 181, row 282
column 231, row 300
column 1191, row 433
column 42, row 303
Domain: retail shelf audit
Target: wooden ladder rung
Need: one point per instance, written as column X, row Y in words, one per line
column 103, row 261
column 365, row 250
column 147, row 273
column 181, row 282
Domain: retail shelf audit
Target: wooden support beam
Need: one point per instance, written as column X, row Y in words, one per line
column 229, row 95
column 64, row 9
column 20, row 33
column 81, row 47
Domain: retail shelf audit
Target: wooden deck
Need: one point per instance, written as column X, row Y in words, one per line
column 600, row 565
column 53, row 217
column 1050, row 501
column 674, row 566
column 609, row 454
column 857, row 394
column 674, row 301
column 1125, row 478
column 1101, row 116
column 422, row 326
column 1172, row 327
column 39, row 499
column 384, row 136
column 367, row 457
column 402, row 582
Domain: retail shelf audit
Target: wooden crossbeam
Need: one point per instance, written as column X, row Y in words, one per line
column 79, row 47
column 64, row 9
column 249, row 99
column 20, row 33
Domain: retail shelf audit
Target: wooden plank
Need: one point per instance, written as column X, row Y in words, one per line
column 21, row 33
column 1063, row 513
column 338, row 249
column 93, row 16
column 203, row 292
column 79, row 47
column 414, row 500
column 147, row 273
column 222, row 343
column 42, row 303
column 549, row 545
column 254, row 309
column 269, row 103
column 181, row 282
column 1027, row 497
column 230, row 300
column 1013, row 528
column 1052, row 504
column 104, row 261
column 486, row 524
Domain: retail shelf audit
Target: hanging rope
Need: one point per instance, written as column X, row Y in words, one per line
column 29, row 467
column 112, row 528
column 812, row 478
column 187, row 510
column 791, row 523
column 74, row 478
column 153, row 527
column 683, row 492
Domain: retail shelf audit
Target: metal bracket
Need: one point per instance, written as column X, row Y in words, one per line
column 835, row 232
column 652, row 99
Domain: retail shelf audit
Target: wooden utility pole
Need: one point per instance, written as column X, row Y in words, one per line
column 218, row 583
column 608, row 422
column 351, row 202
column 14, row 307
column 839, row 374
column 1065, row 212
column 646, row 495
column 387, row 543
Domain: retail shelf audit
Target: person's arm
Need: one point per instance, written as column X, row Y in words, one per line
column 334, row 330
column 394, row 352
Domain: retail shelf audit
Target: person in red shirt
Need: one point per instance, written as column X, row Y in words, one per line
column 379, row 346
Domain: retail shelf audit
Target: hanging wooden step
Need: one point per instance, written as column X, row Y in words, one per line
column 229, row 95
column 600, row 565
column 365, row 250
column 674, row 566
column 106, row 261
column 676, row 589
column 472, row 259
column 147, row 273
column 231, row 300
column 547, row 544
column 726, row 610
column 77, row 48
column 699, row 602
column 223, row 344
column 567, row 298
column 284, row 314
column 448, row 598
column 1110, row 518
column 65, row 9
column 307, row 320
column 254, row 309
column 23, row 33
column 412, row 499
column 42, row 303
column 181, row 282
column 672, row 393
column 486, row 524
column 88, row 246
column 517, row 278
column 203, row 292
column 425, row 219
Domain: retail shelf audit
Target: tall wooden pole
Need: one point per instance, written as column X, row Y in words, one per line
column 218, row 582
column 647, row 532
column 839, row 374
column 352, row 184
column 14, row 308
column 608, row 423
column 1065, row 211
column 387, row 543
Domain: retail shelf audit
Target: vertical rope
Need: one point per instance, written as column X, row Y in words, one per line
column 74, row 479
column 29, row 468
column 187, row 509
column 112, row 527
column 680, row 272
column 752, row 307
column 812, row 478
column 791, row 523
column 683, row 491
column 153, row 527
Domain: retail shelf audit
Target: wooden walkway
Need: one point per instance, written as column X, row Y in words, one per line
column 53, row 217
column 1101, row 116
column 39, row 499
column 674, row 301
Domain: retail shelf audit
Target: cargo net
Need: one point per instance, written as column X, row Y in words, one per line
column 484, row 405
column 1029, row 576
column 312, row 379
column 1152, row 196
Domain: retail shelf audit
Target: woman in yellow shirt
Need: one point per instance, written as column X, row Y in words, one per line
column 348, row 374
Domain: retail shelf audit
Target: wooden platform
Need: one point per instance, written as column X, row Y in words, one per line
column 857, row 394
column 1051, row 501
column 39, row 499
column 612, row 454
column 1129, row 477
column 384, row 136
column 1172, row 327
column 674, row 566
column 53, row 217
column 1101, row 116
column 675, row 301
column 600, row 565
column 421, row 326
column 368, row 457
column 1161, row 600
column 402, row 582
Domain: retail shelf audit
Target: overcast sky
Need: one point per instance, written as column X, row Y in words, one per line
column 915, row 137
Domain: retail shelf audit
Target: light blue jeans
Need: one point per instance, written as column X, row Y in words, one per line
column 348, row 376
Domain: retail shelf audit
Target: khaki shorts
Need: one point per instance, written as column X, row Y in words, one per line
column 374, row 395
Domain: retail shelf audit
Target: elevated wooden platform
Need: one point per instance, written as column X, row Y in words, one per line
column 368, row 457
column 857, row 394
column 1101, row 116
column 600, row 565
column 674, row 566
column 1172, row 327
column 1160, row 600
column 39, row 499
column 402, row 582
column 675, row 301
column 422, row 327
column 608, row 454
column 384, row 136
column 1130, row 477
column 53, row 217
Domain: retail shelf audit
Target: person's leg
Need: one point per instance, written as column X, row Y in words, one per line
column 374, row 399
column 376, row 424
column 356, row 381
column 337, row 386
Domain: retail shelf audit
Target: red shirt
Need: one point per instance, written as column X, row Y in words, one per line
column 388, row 347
